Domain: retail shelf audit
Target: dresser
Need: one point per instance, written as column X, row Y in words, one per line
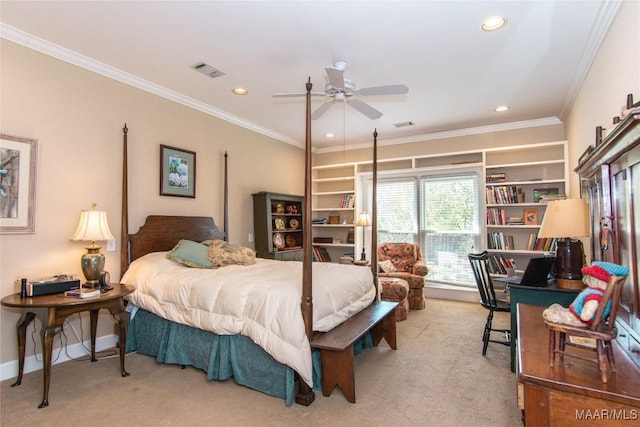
column 571, row 393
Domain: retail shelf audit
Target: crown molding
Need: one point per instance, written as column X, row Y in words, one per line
column 549, row 121
column 40, row 45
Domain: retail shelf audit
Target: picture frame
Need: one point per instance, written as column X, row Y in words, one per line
column 530, row 217
column 18, row 172
column 177, row 172
column 538, row 193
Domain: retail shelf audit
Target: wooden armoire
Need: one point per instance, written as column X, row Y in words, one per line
column 610, row 178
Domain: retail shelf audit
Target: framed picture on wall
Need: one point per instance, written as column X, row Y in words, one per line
column 18, row 164
column 177, row 172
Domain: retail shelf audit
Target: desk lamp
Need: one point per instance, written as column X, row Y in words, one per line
column 567, row 220
column 92, row 226
column 364, row 220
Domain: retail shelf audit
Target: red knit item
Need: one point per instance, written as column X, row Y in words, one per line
column 597, row 272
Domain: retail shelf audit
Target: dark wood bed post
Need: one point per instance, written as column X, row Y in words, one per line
column 374, row 212
column 305, row 395
column 226, row 200
column 124, row 220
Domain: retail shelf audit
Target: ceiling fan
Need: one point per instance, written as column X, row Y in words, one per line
column 340, row 89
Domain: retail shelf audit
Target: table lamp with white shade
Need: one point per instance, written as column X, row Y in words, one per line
column 364, row 220
column 567, row 220
column 92, row 227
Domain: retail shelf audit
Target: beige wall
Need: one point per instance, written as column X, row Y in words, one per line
column 77, row 117
column 614, row 73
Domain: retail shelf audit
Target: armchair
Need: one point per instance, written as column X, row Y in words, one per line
column 404, row 261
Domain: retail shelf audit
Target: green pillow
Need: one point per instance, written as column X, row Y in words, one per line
column 191, row 254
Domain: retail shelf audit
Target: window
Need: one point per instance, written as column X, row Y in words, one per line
column 450, row 225
column 440, row 211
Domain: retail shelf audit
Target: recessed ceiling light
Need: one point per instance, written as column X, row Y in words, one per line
column 501, row 108
column 329, row 135
column 493, row 23
column 240, row 91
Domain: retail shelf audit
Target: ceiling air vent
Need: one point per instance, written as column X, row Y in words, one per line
column 207, row 70
column 404, row 124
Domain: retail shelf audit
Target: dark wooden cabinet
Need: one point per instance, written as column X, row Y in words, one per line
column 278, row 225
column 610, row 172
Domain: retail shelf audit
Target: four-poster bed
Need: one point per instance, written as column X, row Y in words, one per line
column 182, row 324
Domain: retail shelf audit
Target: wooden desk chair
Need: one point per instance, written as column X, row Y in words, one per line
column 479, row 265
column 602, row 330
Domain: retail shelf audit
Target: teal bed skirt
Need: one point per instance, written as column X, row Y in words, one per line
column 220, row 356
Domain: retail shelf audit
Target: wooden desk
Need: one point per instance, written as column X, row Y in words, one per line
column 53, row 310
column 534, row 295
column 572, row 393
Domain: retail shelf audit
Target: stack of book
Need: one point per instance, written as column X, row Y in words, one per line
column 495, row 177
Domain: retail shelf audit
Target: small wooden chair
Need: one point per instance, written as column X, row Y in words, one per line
column 602, row 330
column 479, row 265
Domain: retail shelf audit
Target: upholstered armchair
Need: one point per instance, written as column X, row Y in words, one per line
column 404, row 261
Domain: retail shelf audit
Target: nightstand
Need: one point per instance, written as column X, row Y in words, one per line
column 53, row 310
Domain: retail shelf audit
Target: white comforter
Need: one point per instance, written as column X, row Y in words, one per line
column 261, row 301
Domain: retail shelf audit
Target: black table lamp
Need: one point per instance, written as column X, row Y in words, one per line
column 567, row 220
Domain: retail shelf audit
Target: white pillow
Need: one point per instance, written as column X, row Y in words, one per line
column 387, row 266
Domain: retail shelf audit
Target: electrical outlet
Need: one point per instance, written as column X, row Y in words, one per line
column 250, row 238
column 111, row 245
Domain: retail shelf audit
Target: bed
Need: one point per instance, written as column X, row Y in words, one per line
column 252, row 322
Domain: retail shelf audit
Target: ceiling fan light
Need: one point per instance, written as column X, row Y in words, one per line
column 494, row 23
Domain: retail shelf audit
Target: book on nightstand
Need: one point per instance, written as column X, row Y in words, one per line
column 83, row 293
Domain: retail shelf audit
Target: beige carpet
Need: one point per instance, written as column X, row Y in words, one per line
column 437, row 377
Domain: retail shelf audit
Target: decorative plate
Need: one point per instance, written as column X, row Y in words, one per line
column 279, row 224
column 294, row 224
column 291, row 240
column 278, row 240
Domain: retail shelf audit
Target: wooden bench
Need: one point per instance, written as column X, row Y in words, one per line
column 336, row 346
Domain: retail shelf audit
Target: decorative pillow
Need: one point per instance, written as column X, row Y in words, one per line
column 191, row 254
column 222, row 253
column 387, row 266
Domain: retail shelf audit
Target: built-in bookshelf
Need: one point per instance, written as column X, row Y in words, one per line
column 519, row 182
column 334, row 212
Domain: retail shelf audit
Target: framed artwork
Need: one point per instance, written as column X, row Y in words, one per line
column 539, row 193
column 177, row 172
column 530, row 217
column 18, row 164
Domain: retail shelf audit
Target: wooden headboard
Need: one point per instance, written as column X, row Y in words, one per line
column 162, row 232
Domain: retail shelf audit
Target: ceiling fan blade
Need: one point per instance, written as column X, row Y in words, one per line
column 321, row 110
column 383, row 90
column 293, row 95
column 336, row 77
column 365, row 109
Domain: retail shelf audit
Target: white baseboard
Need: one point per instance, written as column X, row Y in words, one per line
column 448, row 292
column 34, row 362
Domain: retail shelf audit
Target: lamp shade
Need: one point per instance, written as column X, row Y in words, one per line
column 567, row 218
column 364, row 220
column 92, row 226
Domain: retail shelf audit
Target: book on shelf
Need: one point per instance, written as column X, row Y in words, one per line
column 83, row 293
column 493, row 177
column 321, row 254
column 515, row 220
column 504, row 194
column 347, row 201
